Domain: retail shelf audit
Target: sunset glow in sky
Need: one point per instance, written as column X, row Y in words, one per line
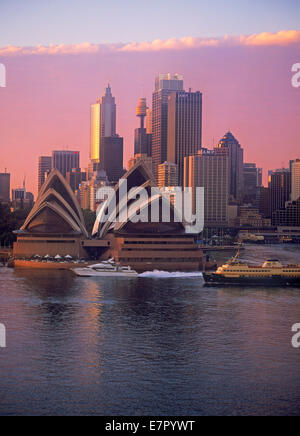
column 60, row 55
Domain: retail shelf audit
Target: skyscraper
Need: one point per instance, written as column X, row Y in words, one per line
column 209, row 169
column 149, row 121
column 184, row 127
column 65, row 161
column 252, row 182
column 142, row 140
column 263, row 201
column 44, row 168
column 103, row 122
column 259, row 177
column 21, row 199
column 4, row 187
column 295, row 182
column 95, row 132
column 279, row 188
column 164, row 85
column 106, row 146
column 167, row 175
column 75, row 177
column 236, row 165
column 111, row 157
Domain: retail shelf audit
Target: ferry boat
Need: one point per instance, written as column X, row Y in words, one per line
column 108, row 268
column 271, row 273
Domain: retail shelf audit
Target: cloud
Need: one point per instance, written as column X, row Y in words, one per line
column 282, row 38
column 171, row 44
column 52, row 49
column 285, row 37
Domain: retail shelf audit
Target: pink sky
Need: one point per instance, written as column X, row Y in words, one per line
column 245, row 81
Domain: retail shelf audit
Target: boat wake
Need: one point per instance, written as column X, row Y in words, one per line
column 156, row 274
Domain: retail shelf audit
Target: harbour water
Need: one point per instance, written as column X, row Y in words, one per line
column 161, row 344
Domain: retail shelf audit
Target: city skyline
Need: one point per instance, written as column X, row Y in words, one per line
column 128, row 154
column 241, row 63
column 235, row 103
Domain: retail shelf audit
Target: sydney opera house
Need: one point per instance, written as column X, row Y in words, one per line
column 55, row 226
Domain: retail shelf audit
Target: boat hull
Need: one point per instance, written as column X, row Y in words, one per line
column 82, row 272
column 213, row 279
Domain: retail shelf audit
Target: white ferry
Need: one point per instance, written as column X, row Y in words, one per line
column 108, row 268
column 271, row 273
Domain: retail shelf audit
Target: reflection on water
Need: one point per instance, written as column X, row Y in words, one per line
column 152, row 345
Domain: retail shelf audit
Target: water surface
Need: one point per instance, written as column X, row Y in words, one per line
column 161, row 344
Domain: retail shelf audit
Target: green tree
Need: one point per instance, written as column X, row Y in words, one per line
column 10, row 221
column 89, row 219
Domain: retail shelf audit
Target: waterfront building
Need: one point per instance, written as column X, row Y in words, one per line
column 165, row 84
column 235, row 152
column 289, row 216
column 233, row 212
column 184, row 128
column 250, row 217
column 295, row 179
column 4, row 187
column 279, row 189
column 209, row 169
column 44, row 169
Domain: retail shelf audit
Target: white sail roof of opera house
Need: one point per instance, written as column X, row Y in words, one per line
column 56, row 210
column 139, row 178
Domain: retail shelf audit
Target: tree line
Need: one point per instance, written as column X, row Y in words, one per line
column 10, row 221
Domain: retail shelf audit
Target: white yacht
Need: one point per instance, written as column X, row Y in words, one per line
column 108, row 268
